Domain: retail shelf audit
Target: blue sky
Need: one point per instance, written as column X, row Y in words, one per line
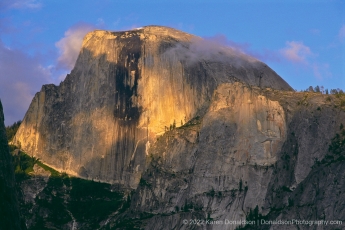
column 303, row 41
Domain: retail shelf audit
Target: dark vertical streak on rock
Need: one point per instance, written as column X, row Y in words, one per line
column 125, row 89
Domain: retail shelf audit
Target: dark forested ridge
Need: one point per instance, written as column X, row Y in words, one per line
column 53, row 200
column 9, row 214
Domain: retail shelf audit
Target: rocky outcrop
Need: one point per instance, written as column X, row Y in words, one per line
column 221, row 167
column 128, row 88
column 35, row 184
column 253, row 149
column 9, row 212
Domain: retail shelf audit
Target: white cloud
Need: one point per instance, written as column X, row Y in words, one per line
column 296, row 52
column 69, row 46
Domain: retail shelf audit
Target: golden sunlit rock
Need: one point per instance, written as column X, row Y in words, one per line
column 128, row 88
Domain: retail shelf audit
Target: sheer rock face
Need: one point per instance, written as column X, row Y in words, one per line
column 212, row 164
column 129, row 87
column 9, row 212
column 252, row 148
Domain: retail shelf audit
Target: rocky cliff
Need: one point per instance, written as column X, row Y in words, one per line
column 198, row 131
column 290, row 165
column 279, row 153
column 126, row 89
column 9, row 211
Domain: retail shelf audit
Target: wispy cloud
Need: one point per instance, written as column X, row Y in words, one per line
column 69, row 46
column 302, row 55
column 264, row 55
column 21, row 77
column 341, row 34
column 212, row 49
column 31, row 4
column 20, row 4
column 100, row 22
column 223, row 40
column 321, row 70
column 315, row 31
column 132, row 17
column 117, row 22
column 296, row 52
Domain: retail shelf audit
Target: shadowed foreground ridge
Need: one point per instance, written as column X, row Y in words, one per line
column 9, row 214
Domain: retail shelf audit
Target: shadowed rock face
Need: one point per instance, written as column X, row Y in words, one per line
column 9, row 214
column 129, row 87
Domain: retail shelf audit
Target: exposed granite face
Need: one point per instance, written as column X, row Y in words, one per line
column 126, row 89
column 308, row 180
column 9, row 214
column 222, row 167
column 243, row 139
